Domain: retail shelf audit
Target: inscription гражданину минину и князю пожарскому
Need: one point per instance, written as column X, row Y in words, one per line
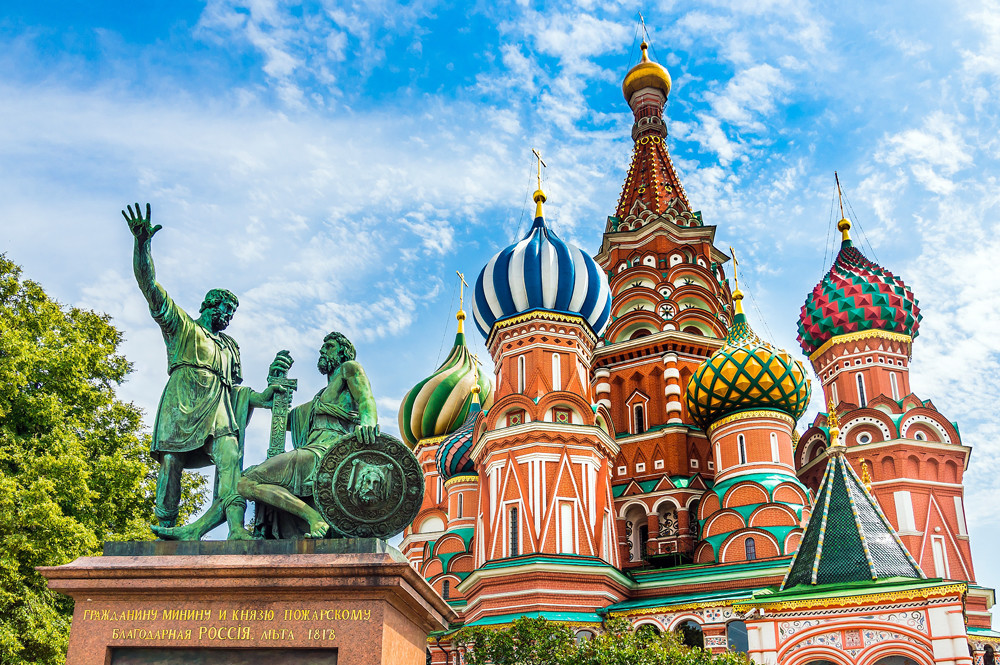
column 214, row 632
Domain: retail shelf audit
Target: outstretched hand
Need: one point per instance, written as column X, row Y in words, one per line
column 142, row 229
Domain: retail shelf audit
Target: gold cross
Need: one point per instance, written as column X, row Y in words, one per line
column 461, row 290
column 540, row 165
column 736, row 266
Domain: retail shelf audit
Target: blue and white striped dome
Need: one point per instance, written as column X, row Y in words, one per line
column 541, row 272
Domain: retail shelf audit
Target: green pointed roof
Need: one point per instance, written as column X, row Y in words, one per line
column 848, row 538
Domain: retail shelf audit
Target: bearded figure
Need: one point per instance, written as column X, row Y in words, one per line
column 282, row 486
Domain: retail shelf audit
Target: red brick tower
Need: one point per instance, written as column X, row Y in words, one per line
column 543, row 453
column 671, row 309
column 857, row 327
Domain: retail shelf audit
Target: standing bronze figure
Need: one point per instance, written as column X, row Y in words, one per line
column 203, row 412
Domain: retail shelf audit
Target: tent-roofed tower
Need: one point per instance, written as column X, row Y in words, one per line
column 671, row 309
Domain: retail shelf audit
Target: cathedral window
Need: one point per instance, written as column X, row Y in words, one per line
column 741, row 443
column 520, row 373
column 458, row 505
column 833, row 392
column 446, row 589
column 862, row 398
column 774, row 448
column 556, row 372
column 940, row 557
column 639, row 419
column 515, row 546
column 750, row 547
column 893, row 385
column 515, row 417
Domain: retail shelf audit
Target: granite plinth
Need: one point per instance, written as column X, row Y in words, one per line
column 279, row 601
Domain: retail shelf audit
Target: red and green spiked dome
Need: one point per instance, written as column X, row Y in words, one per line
column 746, row 373
column 439, row 404
column 856, row 295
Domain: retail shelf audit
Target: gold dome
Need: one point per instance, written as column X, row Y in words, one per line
column 647, row 74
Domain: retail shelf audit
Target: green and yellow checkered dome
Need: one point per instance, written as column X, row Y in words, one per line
column 746, row 373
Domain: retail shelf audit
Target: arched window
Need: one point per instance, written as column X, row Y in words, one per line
column 736, row 637
column 556, row 372
column 640, row 419
column 520, row 374
column 989, row 657
column 833, row 394
column 750, row 546
column 774, row 448
column 895, row 660
column 515, row 546
column 458, row 505
column 893, row 385
column 741, row 443
column 446, row 589
column 691, row 330
column 691, row 634
column 862, row 399
column 584, row 635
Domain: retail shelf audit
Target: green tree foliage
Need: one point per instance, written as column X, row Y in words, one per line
column 75, row 469
column 539, row 642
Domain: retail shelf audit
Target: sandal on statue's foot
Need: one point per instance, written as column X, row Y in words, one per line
column 176, row 533
column 318, row 530
column 240, row 534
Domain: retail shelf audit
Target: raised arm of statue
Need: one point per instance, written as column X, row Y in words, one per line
column 142, row 257
column 361, row 390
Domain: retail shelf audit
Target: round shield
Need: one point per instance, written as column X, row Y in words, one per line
column 369, row 491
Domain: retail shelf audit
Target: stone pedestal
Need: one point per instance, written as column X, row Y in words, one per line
column 328, row 602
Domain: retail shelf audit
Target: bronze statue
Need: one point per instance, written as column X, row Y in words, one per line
column 345, row 408
column 202, row 415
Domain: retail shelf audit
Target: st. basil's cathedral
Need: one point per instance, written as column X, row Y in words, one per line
column 637, row 453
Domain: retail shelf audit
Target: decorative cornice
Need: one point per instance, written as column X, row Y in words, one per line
column 463, row 478
column 669, row 608
column 861, row 599
column 430, row 441
column 859, row 335
column 547, row 314
column 745, row 415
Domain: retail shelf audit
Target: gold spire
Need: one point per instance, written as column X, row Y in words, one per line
column 844, row 225
column 646, row 74
column 539, row 196
column 475, row 379
column 737, row 294
column 865, row 476
column 834, row 425
column 461, row 302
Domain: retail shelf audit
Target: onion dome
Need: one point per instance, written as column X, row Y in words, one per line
column 439, row 404
column 746, row 373
column 541, row 272
column 454, row 454
column 647, row 74
column 856, row 295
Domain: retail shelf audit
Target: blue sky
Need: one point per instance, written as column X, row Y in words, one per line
column 335, row 163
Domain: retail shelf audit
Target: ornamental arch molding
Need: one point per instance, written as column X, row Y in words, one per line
column 878, row 423
column 925, row 420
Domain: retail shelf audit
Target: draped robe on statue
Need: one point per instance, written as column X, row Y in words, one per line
column 316, row 427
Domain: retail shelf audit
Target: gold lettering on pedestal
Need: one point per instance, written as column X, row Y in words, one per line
column 277, row 634
column 328, row 615
column 325, row 634
column 224, row 633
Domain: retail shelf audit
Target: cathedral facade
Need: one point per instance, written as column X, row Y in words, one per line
column 638, row 451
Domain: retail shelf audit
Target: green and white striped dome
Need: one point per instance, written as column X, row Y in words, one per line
column 439, row 404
